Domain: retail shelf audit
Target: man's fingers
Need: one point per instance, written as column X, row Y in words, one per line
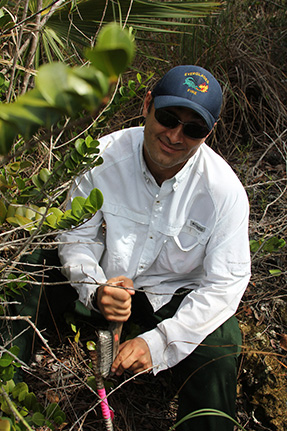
column 114, row 298
column 134, row 355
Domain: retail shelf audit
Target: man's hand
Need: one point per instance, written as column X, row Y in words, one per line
column 115, row 302
column 134, row 355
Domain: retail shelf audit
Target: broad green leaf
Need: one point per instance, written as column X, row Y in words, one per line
column 30, row 401
column 51, row 220
column 7, row 373
column 98, row 81
column 8, row 387
column 39, row 213
column 80, row 146
column 15, row 350
column 74, row 328
column 91, row 345
column 20, row 210
column 114, row 50
column 274, row 244
column 77, row 206
column 22, row 221
column 3, row 211
column 76, row 157
column 20, row 391
column 254, row 245
column 11, row 211
column 55, row 211
column 53, row 217
column 94, row 201
column 5, row 424
column 20, row 183
column 38, row 419
column 37, row 181
column 91, row 381
column 52, row 82
column 275, row 272
column 30, row 213
column 3, row 183
column 44, row 174
column 5, row 362
column 59, row 418
column 7, row 135
column 13, row 168
column 52, row 409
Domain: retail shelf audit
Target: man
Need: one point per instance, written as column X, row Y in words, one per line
column 175, row 241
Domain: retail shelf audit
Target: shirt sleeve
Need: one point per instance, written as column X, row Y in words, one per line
column 208, row 305
column 81, row 248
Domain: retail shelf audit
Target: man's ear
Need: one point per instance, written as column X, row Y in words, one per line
column 146, row 104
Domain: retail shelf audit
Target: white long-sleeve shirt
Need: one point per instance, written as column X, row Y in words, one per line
column 191, row 232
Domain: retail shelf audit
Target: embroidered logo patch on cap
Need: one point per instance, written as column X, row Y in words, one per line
column 193, row 86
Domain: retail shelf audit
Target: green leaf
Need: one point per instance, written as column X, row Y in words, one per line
column 7, row 373
column 20, row 391
column 254, row 245
column 52, row 409
column 3, row 211
column 38, row 419
column 77, row 336
column 25, row 222
column 91, row 345
column 6, row 359
column 74, row 328
column 13, row 168
column 60, row 418
column 274, row 244
column 7, row 136
column 91, row 381
column 114, row 50
column 5, row 424
column 5, row 362
column 30, row 401
column 20, row 183
column 37, row 181
column 52, row 82
column 80, row 146
column 77, row 206
column 275, row 272
column 44, row 174
column 94, row 201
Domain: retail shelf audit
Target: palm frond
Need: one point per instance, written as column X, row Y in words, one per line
column 82, row 23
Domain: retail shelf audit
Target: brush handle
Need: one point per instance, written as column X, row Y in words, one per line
column 116, row 330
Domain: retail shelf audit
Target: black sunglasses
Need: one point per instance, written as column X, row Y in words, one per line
column 191, row 130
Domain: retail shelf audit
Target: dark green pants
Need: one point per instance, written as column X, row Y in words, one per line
column 205, row 379
column 208, row 377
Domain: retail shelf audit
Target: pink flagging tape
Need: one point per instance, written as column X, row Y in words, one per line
column 107, row 413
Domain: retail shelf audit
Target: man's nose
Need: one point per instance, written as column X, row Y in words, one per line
column 176, row 134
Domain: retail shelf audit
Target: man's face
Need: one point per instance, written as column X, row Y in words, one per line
column 167, row 150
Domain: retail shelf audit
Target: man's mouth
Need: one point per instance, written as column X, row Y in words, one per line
column 169, row 148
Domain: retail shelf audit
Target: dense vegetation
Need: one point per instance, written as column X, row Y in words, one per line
column 244, row 43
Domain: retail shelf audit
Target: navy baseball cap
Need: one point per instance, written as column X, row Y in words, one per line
column 190, row 87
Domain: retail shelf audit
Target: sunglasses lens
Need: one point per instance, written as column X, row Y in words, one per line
column 192, row 130
column 165, row 118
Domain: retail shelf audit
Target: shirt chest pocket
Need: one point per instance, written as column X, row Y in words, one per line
column 184, row 252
